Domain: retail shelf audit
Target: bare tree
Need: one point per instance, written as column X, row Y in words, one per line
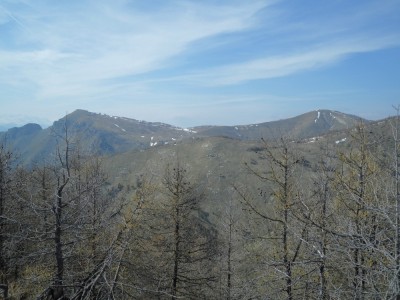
column 320, row 213
column 356, row 202
column 388, row 190
column 234, row 268
column 8, row 184
column 66, row 217
column 285, row 233
column 191, row 243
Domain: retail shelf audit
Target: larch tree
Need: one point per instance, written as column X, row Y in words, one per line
column 67, row 219
column 285, row 236
column 232, row 250
column 320, row 213
column 171, row 252
column 8, row 222
column 191, row 243
column 356, row 210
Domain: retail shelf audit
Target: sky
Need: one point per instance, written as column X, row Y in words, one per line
column 188, row 63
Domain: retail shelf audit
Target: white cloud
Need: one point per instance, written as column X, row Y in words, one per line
column 93, row 54
column 290, row 63
column 74, row 52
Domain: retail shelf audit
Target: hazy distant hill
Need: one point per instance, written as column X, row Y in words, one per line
column 96, row 133
column 304, row 126
column 216, row 163
column 219, row 167
column 6, row 126
column 104, row 135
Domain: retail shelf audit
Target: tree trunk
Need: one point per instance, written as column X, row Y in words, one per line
column 58, row 241
column 176, row 254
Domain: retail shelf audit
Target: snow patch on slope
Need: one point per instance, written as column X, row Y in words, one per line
column 318, row 115
column 120, row 128
column 341, row 141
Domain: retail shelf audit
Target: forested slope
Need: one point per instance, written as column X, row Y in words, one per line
column 206, row 218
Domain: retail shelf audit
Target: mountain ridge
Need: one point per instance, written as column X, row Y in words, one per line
column 299, row 127
column 103, row 134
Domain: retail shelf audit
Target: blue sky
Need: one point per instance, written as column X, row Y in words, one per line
column 191, row 63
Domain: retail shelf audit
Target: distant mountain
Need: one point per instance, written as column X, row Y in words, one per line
column 105, row 135
column 217, row 163
column 6, row 126
column 304, row 126
column 96, row 133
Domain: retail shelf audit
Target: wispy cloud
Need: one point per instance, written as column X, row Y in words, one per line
column 291, row 44
column 289, row 63
column 67, row 54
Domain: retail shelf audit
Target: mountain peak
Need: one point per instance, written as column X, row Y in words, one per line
column 105, row 134
column 307, row 125
column 79, row 113
column 334, row 120
column 27, row 129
